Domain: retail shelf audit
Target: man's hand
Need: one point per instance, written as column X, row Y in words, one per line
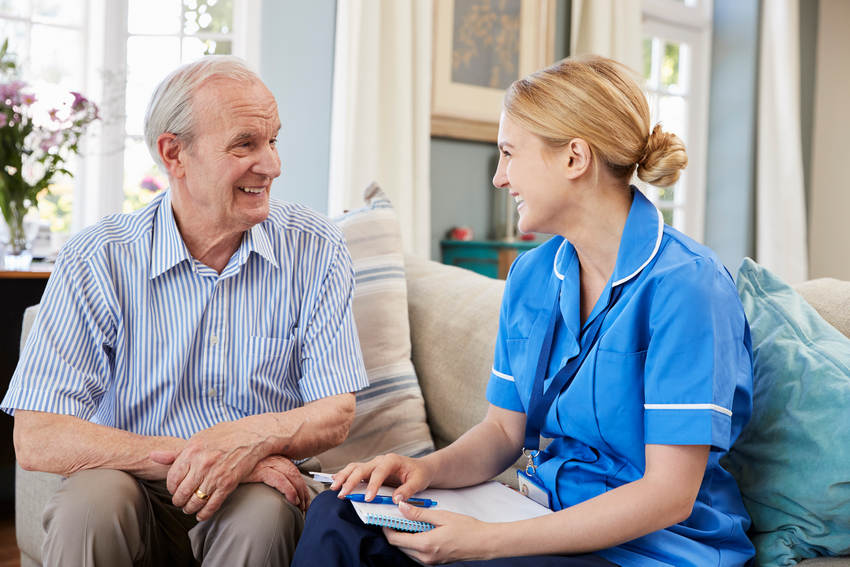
column 275, row 470
column 281, row 474
column 213, row 462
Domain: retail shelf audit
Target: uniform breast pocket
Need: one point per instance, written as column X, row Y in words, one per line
column 618, row 396
column 269, row 361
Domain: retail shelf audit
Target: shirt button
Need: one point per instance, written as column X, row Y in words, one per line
column 211, row 392
column 214, row 340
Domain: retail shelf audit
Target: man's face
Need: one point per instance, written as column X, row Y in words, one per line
column 232, row 160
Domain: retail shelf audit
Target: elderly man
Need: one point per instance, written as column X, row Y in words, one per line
column 186, row 354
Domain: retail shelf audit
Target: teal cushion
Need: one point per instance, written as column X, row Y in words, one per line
column 792, row 461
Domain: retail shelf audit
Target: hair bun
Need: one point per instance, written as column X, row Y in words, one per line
column 663, row 159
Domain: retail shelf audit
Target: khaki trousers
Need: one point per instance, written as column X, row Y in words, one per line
column 104, row 517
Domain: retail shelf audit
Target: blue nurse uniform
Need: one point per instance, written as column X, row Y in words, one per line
column 672, row 366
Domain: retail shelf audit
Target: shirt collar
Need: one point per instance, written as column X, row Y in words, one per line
column 256, row 240
column 639, row 242
column 641, row 239
column 169, row 248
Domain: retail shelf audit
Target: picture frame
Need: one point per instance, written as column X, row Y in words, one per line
column 480, row 48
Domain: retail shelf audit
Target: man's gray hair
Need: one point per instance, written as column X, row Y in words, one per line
column 170, row 107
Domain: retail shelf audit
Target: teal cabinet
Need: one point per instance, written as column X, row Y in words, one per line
column 490, row 258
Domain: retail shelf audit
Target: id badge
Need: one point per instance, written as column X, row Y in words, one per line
column 532, row 488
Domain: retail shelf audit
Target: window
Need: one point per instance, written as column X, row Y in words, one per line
column 47, row 38
column 115, row 52
column 162, row 34
column 676, row 62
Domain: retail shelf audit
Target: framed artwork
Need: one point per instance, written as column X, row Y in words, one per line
column 480, row 48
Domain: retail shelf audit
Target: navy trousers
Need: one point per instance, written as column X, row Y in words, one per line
column 334, row 535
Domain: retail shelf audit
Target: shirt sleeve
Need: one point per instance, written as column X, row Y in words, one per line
column 501, row 389
column 331, row 359
column 65, row 365
column 698, row 364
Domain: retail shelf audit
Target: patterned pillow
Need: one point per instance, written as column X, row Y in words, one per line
column 390, row 412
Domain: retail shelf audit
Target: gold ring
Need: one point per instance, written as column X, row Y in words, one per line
column 201, row 494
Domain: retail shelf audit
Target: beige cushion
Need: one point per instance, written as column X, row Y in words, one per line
column 454, row 318
column 390, row 412
column 831, row 299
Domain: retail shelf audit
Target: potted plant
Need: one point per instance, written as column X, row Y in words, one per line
column 35, row 144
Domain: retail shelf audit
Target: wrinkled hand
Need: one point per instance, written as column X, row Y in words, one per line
column 456, row 537
column 214, row 461
column 281, row 474
column 411, row 476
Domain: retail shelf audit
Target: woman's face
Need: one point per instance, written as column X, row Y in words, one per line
column 535, row 176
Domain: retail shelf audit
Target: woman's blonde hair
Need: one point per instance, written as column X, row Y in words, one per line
column 596, row 99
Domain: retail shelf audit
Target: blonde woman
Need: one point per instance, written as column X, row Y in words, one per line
column 620, row 338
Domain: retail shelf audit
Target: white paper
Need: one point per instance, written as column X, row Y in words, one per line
column 488, row 502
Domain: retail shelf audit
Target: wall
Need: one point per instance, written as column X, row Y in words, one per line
column 297, row 65
column 829, row 231
column 808, row 64
column 730, row 178
column 462, row 192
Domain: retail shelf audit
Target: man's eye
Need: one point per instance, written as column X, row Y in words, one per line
column 273, row 141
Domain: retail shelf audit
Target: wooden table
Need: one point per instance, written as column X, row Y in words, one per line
column 18, row 290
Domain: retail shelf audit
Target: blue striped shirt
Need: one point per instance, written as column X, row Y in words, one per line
column 136, row 334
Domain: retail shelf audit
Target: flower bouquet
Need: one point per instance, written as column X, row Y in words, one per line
column 34, row 147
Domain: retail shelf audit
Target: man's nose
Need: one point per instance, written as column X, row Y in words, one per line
column 269, row 162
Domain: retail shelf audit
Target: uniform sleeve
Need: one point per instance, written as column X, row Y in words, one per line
column 331, row 359
column 501, row 389
column 66, row 363
column 698, row 365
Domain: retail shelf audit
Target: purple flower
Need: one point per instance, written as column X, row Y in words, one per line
column 52, row 113
column 150, row 184
column 10, row 91
column 49, row 142
column 28, row 98
column 79, row 101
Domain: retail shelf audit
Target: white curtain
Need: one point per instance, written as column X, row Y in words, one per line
column 611, row 28
column 380, row 127
column 780, row 198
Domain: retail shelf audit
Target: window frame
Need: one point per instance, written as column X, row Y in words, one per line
column 691, row 23
column 99, row 187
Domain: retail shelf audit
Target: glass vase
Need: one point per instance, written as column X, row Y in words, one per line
column 18, row 255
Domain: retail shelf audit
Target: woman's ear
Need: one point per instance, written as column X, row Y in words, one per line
column 577, row 158
column 170, row 149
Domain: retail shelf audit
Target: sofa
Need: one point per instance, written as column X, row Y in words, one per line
column 453, row 317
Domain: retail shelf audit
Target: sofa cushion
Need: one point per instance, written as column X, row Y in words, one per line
column 454, row 318
column 791, row 460
column 390, row 412
column 831, row 299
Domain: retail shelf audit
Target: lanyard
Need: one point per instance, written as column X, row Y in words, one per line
column 540, row 401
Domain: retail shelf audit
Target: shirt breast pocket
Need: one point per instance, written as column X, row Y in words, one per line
column 270, row 362
column 618, row 397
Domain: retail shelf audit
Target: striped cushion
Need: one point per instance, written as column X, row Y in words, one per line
column 390, row 412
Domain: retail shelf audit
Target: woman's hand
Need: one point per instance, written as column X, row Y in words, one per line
column 455, row 537
column 411, row 476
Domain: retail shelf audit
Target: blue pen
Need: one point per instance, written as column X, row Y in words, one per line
column 420, row 502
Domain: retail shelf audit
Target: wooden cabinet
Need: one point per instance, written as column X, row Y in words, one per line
column 490, row 258
column 19, row 290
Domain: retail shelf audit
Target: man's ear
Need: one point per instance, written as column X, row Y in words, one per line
column 577, row 158
column 170, row 149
